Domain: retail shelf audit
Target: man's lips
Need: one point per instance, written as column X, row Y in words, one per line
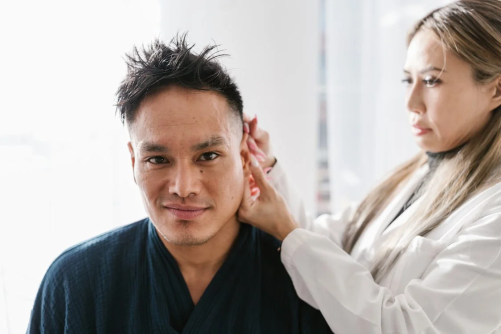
column 185, row 212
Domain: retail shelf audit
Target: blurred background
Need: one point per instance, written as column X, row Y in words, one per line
column 323, row 76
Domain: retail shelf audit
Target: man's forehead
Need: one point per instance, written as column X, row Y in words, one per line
column 187, row 135
column 177, row 116
column 174, row 106
column 163, row 145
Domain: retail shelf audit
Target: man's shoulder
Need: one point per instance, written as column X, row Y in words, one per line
column 269, row 247
column 267, row 240
column 102, row 250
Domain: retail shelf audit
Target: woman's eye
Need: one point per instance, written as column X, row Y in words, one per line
column 430, row 82
column 157, row 160
column 208, row 156
column 407, row 81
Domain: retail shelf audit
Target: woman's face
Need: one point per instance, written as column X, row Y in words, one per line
column 446, row 106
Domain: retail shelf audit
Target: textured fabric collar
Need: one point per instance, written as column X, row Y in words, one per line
column 434, row 158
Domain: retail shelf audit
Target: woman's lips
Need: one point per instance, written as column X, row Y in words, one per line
column 186, row 214
column 419, row 130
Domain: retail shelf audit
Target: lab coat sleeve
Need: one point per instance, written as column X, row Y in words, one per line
column 460, row 291
column 280, row 182
column 332, row 226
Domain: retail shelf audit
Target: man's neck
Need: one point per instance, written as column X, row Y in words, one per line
column 198, row 264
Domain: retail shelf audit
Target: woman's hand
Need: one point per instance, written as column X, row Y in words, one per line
column 259, row 143
column 263, row 207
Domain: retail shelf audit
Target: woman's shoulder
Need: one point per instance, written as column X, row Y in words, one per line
column 488, row 199
column 484, row 208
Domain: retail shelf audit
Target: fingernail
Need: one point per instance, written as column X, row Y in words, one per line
column 260, row 158
column 260, row 152
column 260, row 155
column 246, row 128
column 254, row 161
column 252, row 146
column 255, row 116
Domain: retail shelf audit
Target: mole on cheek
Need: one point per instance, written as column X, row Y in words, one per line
column 201, row 171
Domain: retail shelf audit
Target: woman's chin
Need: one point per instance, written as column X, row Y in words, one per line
column 427, row 144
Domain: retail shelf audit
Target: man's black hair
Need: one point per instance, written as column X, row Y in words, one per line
column 160, row 65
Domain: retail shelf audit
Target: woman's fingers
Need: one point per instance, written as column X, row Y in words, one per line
column 253, row 126
column 260, row 136
column 254, row 130
column 258, row 175
column 247, row 118
column 262, row 206
column 258, row 141
column 254, row 149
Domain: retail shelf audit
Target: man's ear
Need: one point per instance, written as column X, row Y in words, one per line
column 244, row 153
column 133, row 160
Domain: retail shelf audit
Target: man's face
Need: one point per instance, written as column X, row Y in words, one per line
column 188, row 156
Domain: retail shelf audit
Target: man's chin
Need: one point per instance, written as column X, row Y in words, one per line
column 189, row 241
column 185, row 237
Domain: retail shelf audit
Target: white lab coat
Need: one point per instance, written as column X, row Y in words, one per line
column 446, row 282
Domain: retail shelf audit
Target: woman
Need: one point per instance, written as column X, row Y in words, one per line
column 422, row 251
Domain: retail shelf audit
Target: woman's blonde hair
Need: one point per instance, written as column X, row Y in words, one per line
column 472, row 31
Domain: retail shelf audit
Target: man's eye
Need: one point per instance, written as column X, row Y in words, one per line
column 157, row 160
column 208, row 156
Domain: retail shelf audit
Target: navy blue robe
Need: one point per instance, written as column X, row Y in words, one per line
column 126, row 281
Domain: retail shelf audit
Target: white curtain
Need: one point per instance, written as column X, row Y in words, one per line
column 368, row 130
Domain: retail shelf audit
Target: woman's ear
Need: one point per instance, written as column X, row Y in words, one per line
column 496, row 97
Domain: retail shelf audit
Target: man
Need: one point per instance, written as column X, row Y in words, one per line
column 191, row 267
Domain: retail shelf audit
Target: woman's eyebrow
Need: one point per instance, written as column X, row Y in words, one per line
column 428, row 69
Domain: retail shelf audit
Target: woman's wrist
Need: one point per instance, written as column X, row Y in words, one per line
column 286, row 228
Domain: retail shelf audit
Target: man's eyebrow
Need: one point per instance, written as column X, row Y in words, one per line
column 212, row 142
column 152, row 148
column 428, row 69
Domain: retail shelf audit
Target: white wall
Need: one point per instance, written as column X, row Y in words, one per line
column 64, row 167
column 274, row 57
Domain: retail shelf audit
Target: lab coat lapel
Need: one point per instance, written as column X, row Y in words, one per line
column 373, row 233
column 472, row 210
column 474, row 207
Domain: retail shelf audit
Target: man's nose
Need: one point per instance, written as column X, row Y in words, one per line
column 185, row 181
